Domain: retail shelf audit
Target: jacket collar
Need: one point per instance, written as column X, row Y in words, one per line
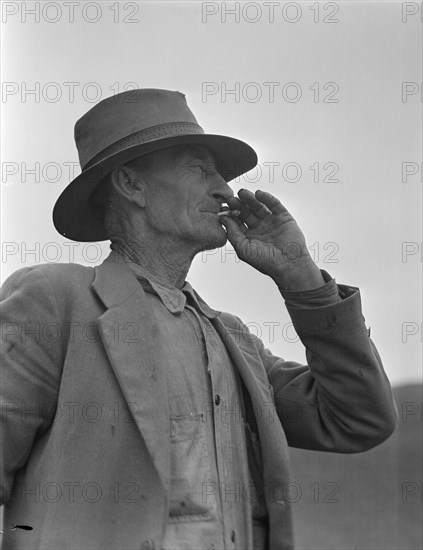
column 114, row 282
column 117, row 267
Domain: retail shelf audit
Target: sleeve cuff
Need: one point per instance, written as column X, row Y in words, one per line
column 324, row 295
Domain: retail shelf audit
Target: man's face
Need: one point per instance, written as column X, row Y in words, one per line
column 185, row 192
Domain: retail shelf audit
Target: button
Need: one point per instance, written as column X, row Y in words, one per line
column 233, row 536
column 217, row 399
column 147, row 545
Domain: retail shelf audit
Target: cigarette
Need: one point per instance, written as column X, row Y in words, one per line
column 229, row 213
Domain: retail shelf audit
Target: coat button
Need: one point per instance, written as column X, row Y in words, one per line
column 217, row 399
column 147, row 545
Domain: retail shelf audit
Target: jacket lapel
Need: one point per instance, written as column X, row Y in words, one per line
column 131, row 340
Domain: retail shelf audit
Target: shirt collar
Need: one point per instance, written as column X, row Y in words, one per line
column 174, row 299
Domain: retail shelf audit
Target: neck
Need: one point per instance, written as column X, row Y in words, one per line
column 163, row 261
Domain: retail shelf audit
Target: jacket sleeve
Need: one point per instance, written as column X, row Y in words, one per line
column 30, row 363
column 341, row 400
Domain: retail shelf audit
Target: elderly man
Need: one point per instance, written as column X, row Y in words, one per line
column 134, row 416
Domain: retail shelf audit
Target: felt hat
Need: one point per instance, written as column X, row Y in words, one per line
column 127, row 126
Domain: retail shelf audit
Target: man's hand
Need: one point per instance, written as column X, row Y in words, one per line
column 267, row 237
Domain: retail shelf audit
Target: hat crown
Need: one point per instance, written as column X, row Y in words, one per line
column 125, row 114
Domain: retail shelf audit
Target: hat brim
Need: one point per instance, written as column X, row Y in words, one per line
column 72, row 215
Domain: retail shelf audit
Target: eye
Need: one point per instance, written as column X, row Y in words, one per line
column 208, row 168
column 205, row 168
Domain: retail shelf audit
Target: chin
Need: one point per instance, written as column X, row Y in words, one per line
column 213, row 239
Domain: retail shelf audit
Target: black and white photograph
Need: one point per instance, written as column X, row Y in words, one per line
column 211, row 275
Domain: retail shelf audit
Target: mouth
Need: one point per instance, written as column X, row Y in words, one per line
column 225, row 211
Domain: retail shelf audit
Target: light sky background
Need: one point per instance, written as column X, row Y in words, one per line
column 369, row 133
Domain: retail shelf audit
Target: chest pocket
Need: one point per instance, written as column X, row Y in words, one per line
column 192, row 492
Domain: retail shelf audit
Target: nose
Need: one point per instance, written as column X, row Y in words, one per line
column 220, row 189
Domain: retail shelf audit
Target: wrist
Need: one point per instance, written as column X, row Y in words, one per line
column 304, row 275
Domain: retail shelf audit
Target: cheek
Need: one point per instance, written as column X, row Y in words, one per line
column 172, row 215
column 161, row 206
column 178, row 212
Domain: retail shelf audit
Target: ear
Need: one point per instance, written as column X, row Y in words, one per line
column 127, row 183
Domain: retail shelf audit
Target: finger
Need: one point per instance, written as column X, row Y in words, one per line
column 235, row 204
column 233, row 222
column 252, row 210
column 235, row 230
column 259, row 209
column 271, row 202
column 248, row 217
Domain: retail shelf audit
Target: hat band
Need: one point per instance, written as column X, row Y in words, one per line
column 153, row 133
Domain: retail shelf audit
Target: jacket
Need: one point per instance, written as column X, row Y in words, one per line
column 85, row 425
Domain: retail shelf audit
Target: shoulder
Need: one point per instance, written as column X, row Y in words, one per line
column 231, row 321
column 58, row 277
column 239, row 329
